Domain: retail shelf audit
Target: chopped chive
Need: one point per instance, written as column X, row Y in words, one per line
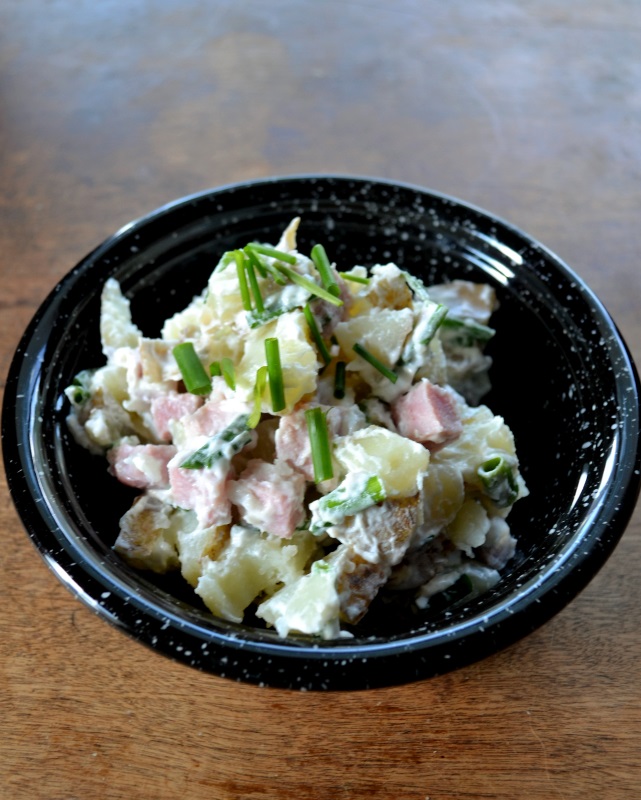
column 227, row 368
column 193, row 373
column 276, row 275
column 214, row 369
column 313, row 327
column 355, row 278
column 259, row 388
column 306, row 283
column 346, row 502
column 321, row 262
column 339, row 380
column 242, row 279
column 417, row 286
column 264, row 268
column 466, row 332
column 222, row 446
column 255, row 320
column 271, row 252
column 275, row 373
column 258, row 264
column 371, row 359
column 225, row 261
column 434, row 323
column 255, row 288
column 498, row 481
column 319, row 441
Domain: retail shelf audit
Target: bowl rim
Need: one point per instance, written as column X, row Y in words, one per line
column 73, row 567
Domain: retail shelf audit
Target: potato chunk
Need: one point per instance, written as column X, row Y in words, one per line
column 399, row 462
column 251, row 564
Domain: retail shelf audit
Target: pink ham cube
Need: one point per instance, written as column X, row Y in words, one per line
column 204, row 491
column 428, row 414
column 212, row 418
column 169, row 408
column 143, row 466
column 270, row 497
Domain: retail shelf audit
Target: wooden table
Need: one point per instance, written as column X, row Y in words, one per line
column 109, row 109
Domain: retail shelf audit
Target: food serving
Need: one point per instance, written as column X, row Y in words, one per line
column 302, row 436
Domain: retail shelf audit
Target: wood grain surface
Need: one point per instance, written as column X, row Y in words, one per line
column 108, row 109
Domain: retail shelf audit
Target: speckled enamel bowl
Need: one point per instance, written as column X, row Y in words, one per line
column 562, row 378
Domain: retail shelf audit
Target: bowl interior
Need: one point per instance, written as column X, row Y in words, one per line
column 561, row 378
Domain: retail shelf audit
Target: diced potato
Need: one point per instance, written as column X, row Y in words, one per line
column 465, row 299
column 382, row 532
column 223, row 294
column 112, row 381
column 382, row 332
column 399, row 462
column 102, row 419
column 443, row 495
column 357, row 586
column 310, row 605
column 297, row 356
column 148, row 534
column 470, row 526
column 116, row 327
column 388, row 287
column 157, row 361
column 188, row 323
column 194, row 546
column 287, row 241
column 249, row 565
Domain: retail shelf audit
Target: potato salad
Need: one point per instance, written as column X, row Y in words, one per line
column 303, row 434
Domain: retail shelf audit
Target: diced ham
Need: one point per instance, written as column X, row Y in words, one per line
column 270, row 497
column 143, row 466
column 292, row 436
column 204, row 491
column 428, row 414
column 212, row 418
column 168, row 408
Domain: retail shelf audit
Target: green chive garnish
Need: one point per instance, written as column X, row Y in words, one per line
column 498, row 481
column 434, row 323
column 222, row 446
column 316, row 336
column 242, row 279
column 276, row 275
column 339, row 380
column 321, row 262
column 264, row 268
column 319, row 441
column 466, row 332
column 371, row 359
column 258, row 264
column 275, row 373
column 271, row 252
column 259, row 388
column 214, row 369
column 229, row 374
column 306, row 283
column 255, row 288
column 355, row 278
column 193, row 373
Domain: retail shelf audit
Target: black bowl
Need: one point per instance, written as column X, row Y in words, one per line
column 562, row 378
